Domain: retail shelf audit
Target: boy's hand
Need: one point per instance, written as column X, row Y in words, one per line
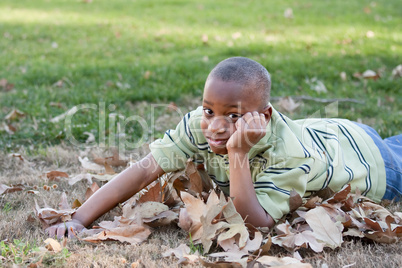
column 60, row 229
column 250, row 129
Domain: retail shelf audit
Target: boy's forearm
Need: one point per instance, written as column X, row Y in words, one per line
column 242, row 189
column 119, row 189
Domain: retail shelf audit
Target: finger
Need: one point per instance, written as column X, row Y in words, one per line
column 51, row 231
column 240, row 124
column 248, row 117
column 61, row 231
column 257, row 120
column 263, row 120
column 71, row 232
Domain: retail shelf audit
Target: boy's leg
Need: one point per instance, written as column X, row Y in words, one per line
column 394, row 186
column 391, row 152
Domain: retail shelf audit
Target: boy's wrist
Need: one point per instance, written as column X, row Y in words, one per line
column 237, row 153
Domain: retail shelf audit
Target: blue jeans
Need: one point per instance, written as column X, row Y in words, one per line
column 391, row 152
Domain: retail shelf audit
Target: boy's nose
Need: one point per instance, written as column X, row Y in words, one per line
column 218, row 125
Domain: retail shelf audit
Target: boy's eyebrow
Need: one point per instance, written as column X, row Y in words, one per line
column 227, row 105
column 207, row 102
column 232, row 105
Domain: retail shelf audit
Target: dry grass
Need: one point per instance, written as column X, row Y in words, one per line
column 16, row 209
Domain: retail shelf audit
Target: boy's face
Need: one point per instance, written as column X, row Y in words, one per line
column 224, row 103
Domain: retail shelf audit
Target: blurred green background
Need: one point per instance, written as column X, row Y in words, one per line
column 58, row 54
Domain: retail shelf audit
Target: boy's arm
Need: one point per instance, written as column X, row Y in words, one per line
column 118, row 190
column 249, row 130
column 242, row 189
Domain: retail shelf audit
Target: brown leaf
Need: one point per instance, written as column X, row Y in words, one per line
column 264, row 249
column 91, row 190
column 282, row 262
column 80, row 177
column 113, row 160
column 76, row 204
column 324, row 228
column 370, row 74
column 10, row 129
column 295, row 200
column 194, row 178
column 88, row 165
column 213, row 208
column 108, row 169
column 4, row 189
column 224, row 264
column 14, row 115
column 341, row 195
column 397, row 71
column 54, row 175
column 53, row 245
column 49, row 216
column 6, row 85
column 194, row 208
column 133, row 234
column 182, row 252
column 324, row 193
column 153, row 193
column 313, row 202
column 19, row 156
column 143, row 210
column 63, row 202
column 185, row 221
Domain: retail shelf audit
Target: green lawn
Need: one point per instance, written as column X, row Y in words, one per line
column 122, row 52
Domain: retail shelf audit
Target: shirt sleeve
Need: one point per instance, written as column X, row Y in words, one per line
column 273, row 185
column 177, row 146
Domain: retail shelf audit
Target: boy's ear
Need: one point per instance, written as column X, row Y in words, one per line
column 268, row 112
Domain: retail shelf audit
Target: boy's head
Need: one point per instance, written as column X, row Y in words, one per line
column 234, row 87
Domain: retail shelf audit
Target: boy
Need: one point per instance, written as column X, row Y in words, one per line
column 255, row 154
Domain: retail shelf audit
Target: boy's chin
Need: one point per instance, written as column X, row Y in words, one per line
column 219, row 150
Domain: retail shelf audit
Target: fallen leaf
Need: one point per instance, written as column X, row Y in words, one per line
column 133, row 234
column 288, row 104
column 182, row 252
column 4, row 189
column 324, row 228
column 370, row 34
column 397, row 71
column 114, row 160
column 370, row 74
column 295, row 200
column 14, row 115
column 288, row 13
column 80, row 177
column 343, row 76
column 316, row 85
column 144, row 210
column 54, row 175
column 88, row 165
column 76, row 204
column 19, row 156
column 4, row 84
column 91, row 190
column 53, row 245
column 147, row 75
column 64, row 115
column 282, row 262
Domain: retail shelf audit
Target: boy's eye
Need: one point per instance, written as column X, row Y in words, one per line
column 234, row 116
column 208, row 111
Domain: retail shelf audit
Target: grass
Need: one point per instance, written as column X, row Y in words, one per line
column 132, row 58
column 60, row 54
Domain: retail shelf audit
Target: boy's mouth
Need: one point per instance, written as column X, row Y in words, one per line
column 216, row 142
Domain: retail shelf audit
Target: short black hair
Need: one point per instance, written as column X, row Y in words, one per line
column 245, row 71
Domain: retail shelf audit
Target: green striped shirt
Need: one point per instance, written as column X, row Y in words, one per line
column 306, row 155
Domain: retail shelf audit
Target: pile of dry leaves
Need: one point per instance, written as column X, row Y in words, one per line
column 190, row 200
